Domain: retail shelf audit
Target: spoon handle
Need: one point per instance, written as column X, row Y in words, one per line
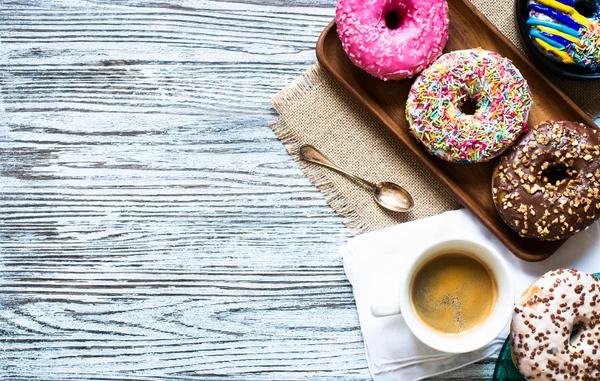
column 310, row 153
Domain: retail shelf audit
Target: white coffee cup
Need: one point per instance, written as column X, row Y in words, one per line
column 397, row 300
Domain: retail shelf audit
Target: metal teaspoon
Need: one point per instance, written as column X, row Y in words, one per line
column 389, row 195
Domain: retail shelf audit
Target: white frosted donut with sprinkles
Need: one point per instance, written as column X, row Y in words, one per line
column 556, row 328
column 502, row 98
column 392, row 39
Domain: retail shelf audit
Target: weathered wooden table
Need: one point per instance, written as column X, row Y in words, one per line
column 151, row 225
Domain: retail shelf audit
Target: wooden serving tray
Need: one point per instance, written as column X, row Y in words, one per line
column 470, row 183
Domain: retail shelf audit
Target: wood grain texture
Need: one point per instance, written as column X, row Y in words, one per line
column 151, row 225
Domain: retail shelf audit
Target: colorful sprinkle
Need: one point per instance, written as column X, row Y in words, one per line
column 587, row 51
column 503, row 104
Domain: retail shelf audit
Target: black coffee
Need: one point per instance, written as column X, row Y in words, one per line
column 453, row 293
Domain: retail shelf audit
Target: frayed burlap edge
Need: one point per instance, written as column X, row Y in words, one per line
column 312, row 79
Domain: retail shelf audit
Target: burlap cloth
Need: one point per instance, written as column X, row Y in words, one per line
column 316, row 110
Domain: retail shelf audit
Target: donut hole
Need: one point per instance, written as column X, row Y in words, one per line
column 555, row 173
column 576, row 332
column 393, row 19
column 468, row 106
column 586, row 8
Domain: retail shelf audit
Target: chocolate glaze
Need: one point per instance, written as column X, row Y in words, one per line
column 535, row 204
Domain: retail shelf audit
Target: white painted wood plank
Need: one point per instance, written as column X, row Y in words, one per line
column 151, row 226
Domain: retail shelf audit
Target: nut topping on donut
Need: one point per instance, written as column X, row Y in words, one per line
column 547, row 187
column 555, row 329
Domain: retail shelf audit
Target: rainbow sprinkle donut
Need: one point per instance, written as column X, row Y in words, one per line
column 502, row 98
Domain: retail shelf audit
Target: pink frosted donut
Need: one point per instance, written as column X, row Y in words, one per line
column 392, row 39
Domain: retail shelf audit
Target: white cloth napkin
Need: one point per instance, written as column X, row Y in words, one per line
column 375, row 260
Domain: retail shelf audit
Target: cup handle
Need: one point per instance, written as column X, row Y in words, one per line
column 385, row 304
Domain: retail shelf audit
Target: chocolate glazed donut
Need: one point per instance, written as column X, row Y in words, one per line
column 547, row 187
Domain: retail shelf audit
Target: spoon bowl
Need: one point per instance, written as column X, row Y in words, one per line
column 393, row 197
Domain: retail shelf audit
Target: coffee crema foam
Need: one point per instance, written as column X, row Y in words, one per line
column 453, row 293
